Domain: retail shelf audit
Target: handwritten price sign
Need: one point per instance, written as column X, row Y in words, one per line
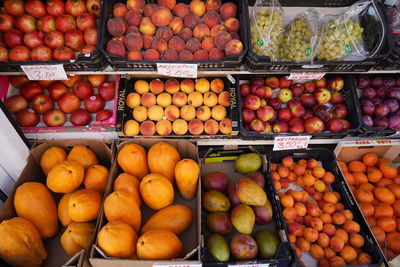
column 177, row 70
column 306, row 75
column 45, row 72
column 291, row 142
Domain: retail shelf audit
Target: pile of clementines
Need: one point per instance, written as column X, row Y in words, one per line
column 317, row 221
column 376, row 186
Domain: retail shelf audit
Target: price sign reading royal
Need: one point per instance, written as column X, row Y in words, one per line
column 306, row 75
column 177, row 70
column 45, row 72
column 291, row 142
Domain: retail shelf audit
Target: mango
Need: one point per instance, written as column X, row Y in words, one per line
column 264, row 213
column 267, row 243
column 249, row 162
column 243, row 247
column 219, row 222
column 250, row 193
column 243, row 218
column 218, row 247
column 214, row 200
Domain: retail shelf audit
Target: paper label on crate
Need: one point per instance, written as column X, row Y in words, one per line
column 177, row 265
column 177, row 70
column 45, row 72
column 250, row 265
column 370, row 142
column 291, row 142
column 306, row 75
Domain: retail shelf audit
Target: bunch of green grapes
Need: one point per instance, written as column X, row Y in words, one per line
column 296, row 45
column 267, row 28
column 339, row 39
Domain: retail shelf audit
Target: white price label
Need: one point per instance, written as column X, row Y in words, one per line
column 45, row 72
column 250, row 265
column 306, row 75
column 177, row 265
column 291, row 142
column 177, row 70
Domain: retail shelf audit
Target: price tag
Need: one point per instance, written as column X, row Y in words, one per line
column 291, row 142
column 177, row 70
column 250, row 265
column 177, row 265
column 306, row 75
column 45, row 72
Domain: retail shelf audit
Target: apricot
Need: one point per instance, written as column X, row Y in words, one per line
column 164, row 100
column 155, row 113
column 195, row 99
column 336, row 243
column 310, row 234
column 196, row 127
column 329, row 229
column 148, row 100
column 316, row 251
column 338, row 218
column 164, row 127
column 323, row 240
column 317, row 224
column 172, row 113
column 211, row 127
column 336, row 261
column 224, row 99
column 141, row 87
column 342, row 234
column 303, row 244
column 139, row 113
column 180, row 127
column 218, row 113
column 147, row 128
column 131, row 128
column 351, row 227
column 188, row 113
column 356, row 240
column 179, row 99
column 225, row 126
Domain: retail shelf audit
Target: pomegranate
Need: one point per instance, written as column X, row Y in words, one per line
column 75, row 7
column 19, row 53
column 41, row 53
column 54, row 39
column 36, row 8
column 6, row 22
column 85, row 21
column 56, row 7
column 33, row 39
column 88, row 49
column 13, row 38
column 47, row 23
column 74, row 40
column 25, row 23
column 90, row 36
column 93, row 6
column 65, row 23
column 3, row 54
column 14, row 7
column 63, row 53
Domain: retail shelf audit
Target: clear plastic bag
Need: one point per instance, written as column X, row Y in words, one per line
column 267, row 24
column 301, row 37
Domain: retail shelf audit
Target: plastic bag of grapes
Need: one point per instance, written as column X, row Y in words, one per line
column 301, row 37
column 267, row 24
column 345, row 39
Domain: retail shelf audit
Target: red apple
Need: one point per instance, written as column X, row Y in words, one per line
column 272, row 82
column 42, row 103
column 94, row 103
column 322, row 96
column 16, row 103
column 321, row 83
column 334, row 125
column 57, row 89
column 252, row 102
column 248, row 115
column 82, row 90
column 107, row 91
column 68, row 102
column 103, row 115
column 309, row 87
column 336, row 84
column 30, row 89
column 54, row 118
column 285, row 83
column 80, row 117
column 314, row 125
column 245, row 89
column 27, row 118
column 281, row 127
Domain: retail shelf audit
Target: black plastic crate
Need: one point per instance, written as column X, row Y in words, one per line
column 256, row 63
column 354, row 116
column 284, row 255
column 232, row 62
column 83, row 62
column 328, row 160
column 124, row 113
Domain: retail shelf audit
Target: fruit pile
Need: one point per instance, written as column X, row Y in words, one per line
column 178, row 107
column 311, row 107
column 375, row 183
column 249, row 204
column 379, row 100
column 201, row 30
column 56, row 30
column 317, row 221
column 37, row 211
column 62, row 97
column 148, row 177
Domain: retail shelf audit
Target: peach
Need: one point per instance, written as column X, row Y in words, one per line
column 210, row 99
column 197, row 7
column 176, row 25
column 147, row 41
column 211, row 127
column 165, row 33
column 193, row 45
column 202, row 85
column 233, row 47
column 116, row 26
column 181, row 10
column 147, row 26
column 188, row 113
column 185, row 55
column 172, row 86
column 149, row 9
column 133, row 17
column 161, row 16
column 170, row 4
column 131, row 128
column 157, row 86
column 148, row 99
column 179, row 99
column 169, row 54
column 213, row 5
column 195, row 99
column 200, row 55
column 171, row 113
column 208, row 43
column 176, row 43
column 203, row 113
column 155, row 113
column 164, row 127
column 133, row 41
column 218, row 112
column 147, row 128
column 232, row 24
column 201, row 31
column 180, row 127
column 114, row 47
column 185, row 34
column 336, row 243
column 187, row 86
column 216, row 29
column 212, row 18
column 228, row 10
column 141, row 87
column 191, row 20
column 222, row 39
column 151, row 54
column 164, row 100
column 135, row 5
column 140, row 113
column 132, row 100
column 216, row 54
column 119, row 10
column 134, row 55
column 196, row 127
column 224, row 99
column 159, row 44
column 217, row 86
column 235, row 35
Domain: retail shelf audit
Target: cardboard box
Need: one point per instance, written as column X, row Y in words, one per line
column 190, row 239
column 354, row 150
column 223, row 160
column 33, row 173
